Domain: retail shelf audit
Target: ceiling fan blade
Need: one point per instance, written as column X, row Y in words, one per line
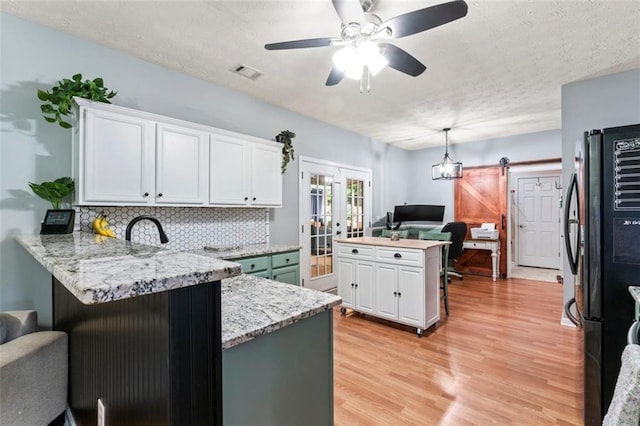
column 349, row 11
column 300, row 44
column 401, row 60
column 335, row 77
column 425, row 19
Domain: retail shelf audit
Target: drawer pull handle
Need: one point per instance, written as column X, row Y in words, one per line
column 354, row 251
column 398, row 255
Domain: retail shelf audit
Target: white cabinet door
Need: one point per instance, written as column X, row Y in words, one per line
column 244, row 173
column 365, row 286
column 411, row 295
column 266, row 178
column 117, row 159
column 181, row 165
column 386, row 291
column 229, row 164
column 346, row 280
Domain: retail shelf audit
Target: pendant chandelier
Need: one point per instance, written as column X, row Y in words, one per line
column 447, row 168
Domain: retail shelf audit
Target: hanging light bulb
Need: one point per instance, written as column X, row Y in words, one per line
column 447, row 168
column 371, row 57
column 348, row 60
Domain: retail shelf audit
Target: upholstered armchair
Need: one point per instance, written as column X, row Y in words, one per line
column 33, row 371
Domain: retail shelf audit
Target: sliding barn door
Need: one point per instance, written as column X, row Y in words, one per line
column 481, row 197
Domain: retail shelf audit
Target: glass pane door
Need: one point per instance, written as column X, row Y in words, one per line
column 334, row 203
column 321, row 208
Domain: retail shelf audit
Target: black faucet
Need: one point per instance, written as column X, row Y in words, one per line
column 163, row 236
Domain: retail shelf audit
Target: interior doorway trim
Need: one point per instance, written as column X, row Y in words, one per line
column 538, row 169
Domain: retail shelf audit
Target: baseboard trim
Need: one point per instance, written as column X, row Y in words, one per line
column 567, row 322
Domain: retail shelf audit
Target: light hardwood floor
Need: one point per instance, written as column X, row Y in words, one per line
column 500, row 358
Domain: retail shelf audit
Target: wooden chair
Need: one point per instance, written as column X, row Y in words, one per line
column 402, row 234
column 441, row 236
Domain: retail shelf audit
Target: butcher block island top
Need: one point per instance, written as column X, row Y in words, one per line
column 387, row 242
column 98, row 269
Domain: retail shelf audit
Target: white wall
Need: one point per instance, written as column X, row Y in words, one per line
column 32, row 150
column 608, row 101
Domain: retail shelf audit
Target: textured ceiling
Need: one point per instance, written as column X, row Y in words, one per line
column 496, row 72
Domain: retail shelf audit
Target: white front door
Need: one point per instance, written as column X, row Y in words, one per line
column 539, row 222
column 334, row 203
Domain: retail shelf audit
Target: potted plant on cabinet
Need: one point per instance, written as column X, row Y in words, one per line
column 57, row 103
column 56, row 220
column 285, row 137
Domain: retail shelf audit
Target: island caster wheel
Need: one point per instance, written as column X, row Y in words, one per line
column 419, row 331
column 343, row 311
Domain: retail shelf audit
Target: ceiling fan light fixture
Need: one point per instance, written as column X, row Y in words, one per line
column 447, row 168
column 371, row 56
column 349, row 61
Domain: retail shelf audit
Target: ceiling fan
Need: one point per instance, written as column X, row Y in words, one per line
column 364, row 38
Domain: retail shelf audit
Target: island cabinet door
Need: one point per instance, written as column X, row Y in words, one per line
column 365, row 278
column 346, row 282
column 411, row 296
column 386, row 291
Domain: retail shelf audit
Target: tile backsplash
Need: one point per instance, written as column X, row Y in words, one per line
column 186, row 227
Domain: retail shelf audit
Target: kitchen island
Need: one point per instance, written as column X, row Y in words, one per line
column 144, row 327
column 147, row 326
column 394, row 280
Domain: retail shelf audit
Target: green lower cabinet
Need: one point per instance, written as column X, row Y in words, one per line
column 288, row 274
column 283, row 267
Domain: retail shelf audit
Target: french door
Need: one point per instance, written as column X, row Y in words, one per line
column 334, row 203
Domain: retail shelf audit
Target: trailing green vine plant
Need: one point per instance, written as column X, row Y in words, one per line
column 285, row 137
column 57, row 102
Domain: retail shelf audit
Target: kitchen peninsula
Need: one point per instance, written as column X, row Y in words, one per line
column 393, row 280
column 147, row 327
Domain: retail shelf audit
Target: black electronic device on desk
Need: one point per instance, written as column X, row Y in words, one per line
column 58, row 222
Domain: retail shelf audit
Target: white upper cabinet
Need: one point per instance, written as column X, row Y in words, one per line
column 181, row 165
column 116, row 159
column 244, row 173
column 266, row 178
column 229, row 171
column 126, row 157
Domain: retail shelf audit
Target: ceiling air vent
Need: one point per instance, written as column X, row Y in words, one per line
column 246, row 71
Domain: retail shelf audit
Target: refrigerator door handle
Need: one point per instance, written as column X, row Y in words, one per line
column 572, row 255
column 632, row 335
column 567, row 311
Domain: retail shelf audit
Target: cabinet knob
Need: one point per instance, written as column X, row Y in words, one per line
column 397, row 255
column 254, row 198
column 286, row 260
column 246, row 198
column 160, row 194
column 275, row 276
column 356, row 285
column 353, row 285
column 146, row 194
column 399, row 294
column 354, row 251
column 253, row 266
column 395, row 293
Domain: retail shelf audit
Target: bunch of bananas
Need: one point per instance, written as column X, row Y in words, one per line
column 101, row 226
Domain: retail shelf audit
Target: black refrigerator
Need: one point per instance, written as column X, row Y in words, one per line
column 602, row 238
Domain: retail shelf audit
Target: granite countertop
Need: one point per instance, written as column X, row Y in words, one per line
column 635, row 293
column 98, row 269
column 238, row 252
column 254, row 306
column 386, row 242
